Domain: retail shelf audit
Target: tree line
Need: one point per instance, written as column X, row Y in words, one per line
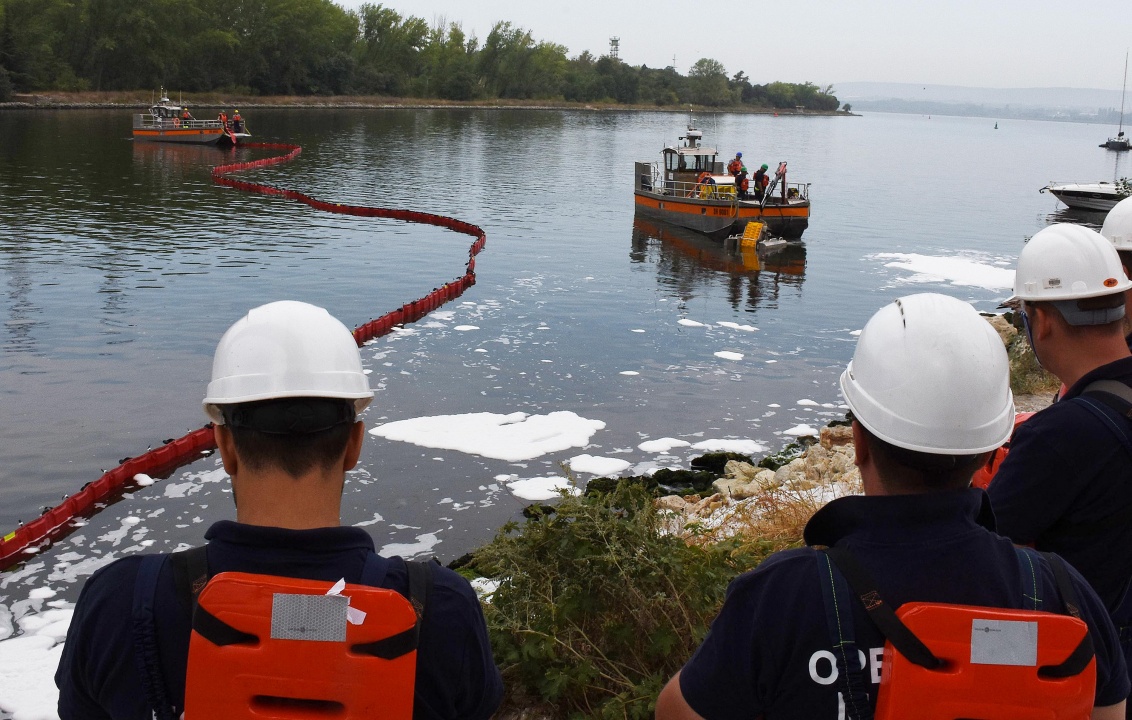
column 315, row 47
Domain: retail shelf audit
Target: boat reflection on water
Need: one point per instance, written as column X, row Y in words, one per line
column 1078, row 216
column 689, row 262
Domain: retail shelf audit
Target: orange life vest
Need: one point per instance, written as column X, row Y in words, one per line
column 983, row 476
column 266, row 647
column 996, row 666
column 735, row 166
column 945, row 661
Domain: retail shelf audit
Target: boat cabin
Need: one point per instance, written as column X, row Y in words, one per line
column 685, row 162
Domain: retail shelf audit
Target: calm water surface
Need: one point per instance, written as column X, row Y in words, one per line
column 121, row 264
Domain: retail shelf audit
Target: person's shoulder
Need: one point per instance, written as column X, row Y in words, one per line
column 450, row 589
column 116, row 579
column 782, row 569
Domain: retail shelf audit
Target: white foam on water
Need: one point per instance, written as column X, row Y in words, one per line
column 485, row 588
column 736, row 326
column 444, row 315
column 690, row 323
column 746, row 447
column 662, row 445
column 542, row 488
column 480, row 350
column 466, row 328
column 28, row 661
column 597, row 465
column 955, row 270
column 801, row 431
column 629, row 372
column 424, row 544
column 143, row 480
column 808, row 403
column 513, row 437
column 728, row 355
column 637, row 330
column 364, row 523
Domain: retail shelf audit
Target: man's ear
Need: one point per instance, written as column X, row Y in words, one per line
column 227, row 447
column 354, row 446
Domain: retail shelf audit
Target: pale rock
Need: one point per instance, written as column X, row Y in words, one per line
column 672, row 503
column 735, row 488
column 739, row 470
column 836, row 435
column 792, row 474
column 708, row 505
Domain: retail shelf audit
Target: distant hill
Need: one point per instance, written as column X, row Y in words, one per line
column 1072, row 104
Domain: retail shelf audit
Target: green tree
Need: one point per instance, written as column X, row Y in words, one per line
column 388, row 50
column 707, row 83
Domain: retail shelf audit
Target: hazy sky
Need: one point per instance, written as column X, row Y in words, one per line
column 979, row 43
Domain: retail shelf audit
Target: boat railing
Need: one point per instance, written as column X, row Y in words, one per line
column 145, row 121
column 795, row 192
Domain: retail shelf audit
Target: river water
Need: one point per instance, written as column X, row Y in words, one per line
column 121, row 264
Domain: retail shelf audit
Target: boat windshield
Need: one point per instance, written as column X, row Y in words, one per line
column 680, row 162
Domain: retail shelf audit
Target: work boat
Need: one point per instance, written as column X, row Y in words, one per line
column 688, row 187
column 164, row 123
column 1090, row 196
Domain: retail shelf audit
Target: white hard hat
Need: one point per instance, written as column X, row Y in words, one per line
column 1118, row 225
column 1068, row 262
column 286, row 349
column 930, row 375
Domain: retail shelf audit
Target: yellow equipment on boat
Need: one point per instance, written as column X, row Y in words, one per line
column 752, row 234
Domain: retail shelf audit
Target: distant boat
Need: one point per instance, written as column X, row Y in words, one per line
column 1120, row 143
column 1090, row 196
column 167, row 122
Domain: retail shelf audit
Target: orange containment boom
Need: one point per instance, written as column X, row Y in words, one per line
column 273, row 647
column 997, row 664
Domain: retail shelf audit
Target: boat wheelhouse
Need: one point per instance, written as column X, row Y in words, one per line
column 688, row 187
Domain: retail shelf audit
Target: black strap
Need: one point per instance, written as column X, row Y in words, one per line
column 394, row 646
column 1083, row 654
column 882, row 615
column 190, row 575
column 218, row 632
column 1113, row 393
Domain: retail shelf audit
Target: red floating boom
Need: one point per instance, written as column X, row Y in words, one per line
column 37, row 535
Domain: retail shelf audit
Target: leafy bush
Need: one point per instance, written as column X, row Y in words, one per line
column 597, row 608
column 5, row 86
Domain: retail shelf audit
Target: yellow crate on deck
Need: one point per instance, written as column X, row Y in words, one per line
column 752, row 234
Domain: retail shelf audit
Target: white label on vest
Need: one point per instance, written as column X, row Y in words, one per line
column 1004, row 642
column 308, row 617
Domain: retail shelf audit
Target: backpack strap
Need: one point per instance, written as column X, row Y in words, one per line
column 190, row 575
column 839, row 619
column 880, row 612
column 1083, row 654
column 146, row 656
column 420, row 585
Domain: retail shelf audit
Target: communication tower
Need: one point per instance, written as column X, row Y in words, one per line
column 614, row 46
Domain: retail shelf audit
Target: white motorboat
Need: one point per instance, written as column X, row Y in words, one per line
column 1090, row 196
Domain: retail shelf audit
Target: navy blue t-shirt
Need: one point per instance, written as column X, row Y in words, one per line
column 769, row 652
column 456, row 674
column 1067, row 471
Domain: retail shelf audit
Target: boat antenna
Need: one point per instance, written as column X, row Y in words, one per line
column 1123, row 87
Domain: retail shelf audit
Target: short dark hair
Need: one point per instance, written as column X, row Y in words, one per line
column 916, row 471
column 261, row 444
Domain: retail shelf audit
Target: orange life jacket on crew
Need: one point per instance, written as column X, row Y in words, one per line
column 223, row 118
column 983, row 476
column 944, row 661
column 994, row 662
column 265, row 646
column 735, row 166
column 236, row 118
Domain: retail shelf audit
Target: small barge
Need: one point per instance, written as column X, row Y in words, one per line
column 688, row 187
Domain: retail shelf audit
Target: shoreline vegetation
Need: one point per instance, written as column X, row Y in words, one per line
column 142, row 100
column 320, row 50
column 594, row 602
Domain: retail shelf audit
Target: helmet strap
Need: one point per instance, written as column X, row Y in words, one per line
column 290, row 416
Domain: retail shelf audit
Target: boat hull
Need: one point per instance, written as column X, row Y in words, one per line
column 1086, row 197
column 721, row 218
column 193, row 136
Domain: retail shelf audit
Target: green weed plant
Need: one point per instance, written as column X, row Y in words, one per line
column 597, row 607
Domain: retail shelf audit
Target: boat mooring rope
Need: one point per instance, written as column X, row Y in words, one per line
column 56, row 522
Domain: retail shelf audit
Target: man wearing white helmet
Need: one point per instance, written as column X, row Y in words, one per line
column 1117, row 229
column 929, row 395
column 287, row 385
column 1066, row 485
